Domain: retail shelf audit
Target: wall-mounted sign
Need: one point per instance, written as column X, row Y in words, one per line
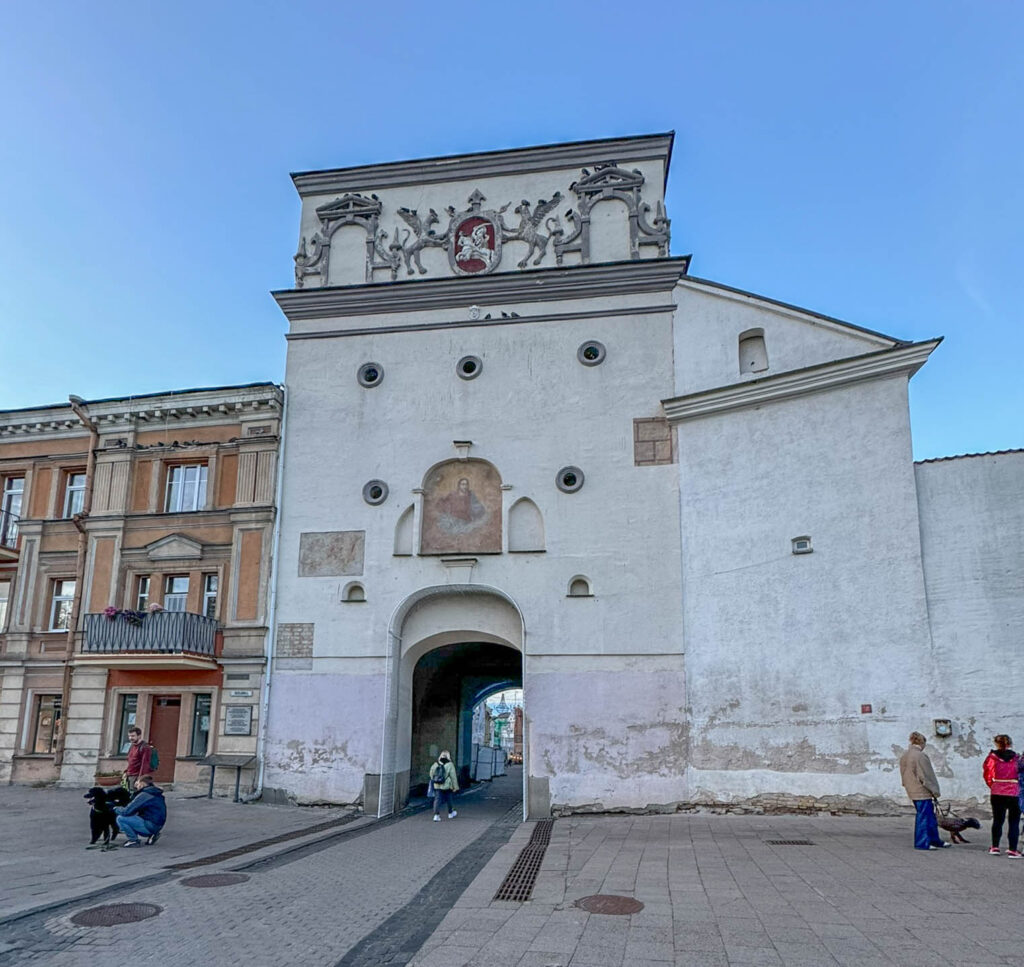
column 237, row 719
column 241, row 693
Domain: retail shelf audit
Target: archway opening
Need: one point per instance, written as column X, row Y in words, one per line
column 448, row 684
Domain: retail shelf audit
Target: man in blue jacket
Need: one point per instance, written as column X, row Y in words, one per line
column 145, row 815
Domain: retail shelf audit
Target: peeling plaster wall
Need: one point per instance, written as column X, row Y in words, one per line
column 781, row 649
column 972, row 535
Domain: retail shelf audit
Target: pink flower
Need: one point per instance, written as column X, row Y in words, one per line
column 110, row 613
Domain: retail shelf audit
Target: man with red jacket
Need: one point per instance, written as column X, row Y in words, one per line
column 138, row 757
column 1001, row 777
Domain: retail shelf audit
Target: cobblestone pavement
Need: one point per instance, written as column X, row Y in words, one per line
column 716, row 893
column 309, row 902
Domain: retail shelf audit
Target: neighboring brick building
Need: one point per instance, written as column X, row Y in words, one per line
column 177, row 530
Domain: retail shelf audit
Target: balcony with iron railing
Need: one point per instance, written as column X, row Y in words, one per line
column 162, row 639
column 9, row 535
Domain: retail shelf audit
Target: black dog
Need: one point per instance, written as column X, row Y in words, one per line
column 102, row 818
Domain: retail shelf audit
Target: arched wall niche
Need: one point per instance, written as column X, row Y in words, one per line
column 405, row 532
column 580, row 587
column 348, row 256
column 525, row 526
column 609, row 231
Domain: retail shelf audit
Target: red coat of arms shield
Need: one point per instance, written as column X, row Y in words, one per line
column 476, row 245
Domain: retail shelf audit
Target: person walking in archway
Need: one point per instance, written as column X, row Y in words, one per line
column 446, row 783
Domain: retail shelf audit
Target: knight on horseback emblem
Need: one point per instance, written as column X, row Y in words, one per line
column 474, row 238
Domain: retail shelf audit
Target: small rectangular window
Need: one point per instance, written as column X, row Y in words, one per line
column 186, row 488
column 60, row 606
column 5, row 594
column 74, row 494
column 201, row 725
column 142, row 592
column 129, row 708
column 210, row 595
column 176, row 592
column 46, row 724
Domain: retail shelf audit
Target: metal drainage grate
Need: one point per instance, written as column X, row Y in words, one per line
column 609, row 904
column 116, row 913
column 216, row 879
column 518, row 883
column 788, row 842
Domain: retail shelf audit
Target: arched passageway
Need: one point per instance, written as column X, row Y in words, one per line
column 448, row 683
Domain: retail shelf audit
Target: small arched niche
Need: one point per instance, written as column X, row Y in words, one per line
column 753, row 353
column 580, row 587
column 353, row 593
column 525, row 526
column 404, row 533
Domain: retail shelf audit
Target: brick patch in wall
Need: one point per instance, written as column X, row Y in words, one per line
column 653, row 443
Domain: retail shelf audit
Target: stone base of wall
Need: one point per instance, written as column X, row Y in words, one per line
column 780, row 804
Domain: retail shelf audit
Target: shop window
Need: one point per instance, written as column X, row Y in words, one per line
column 46, row 724
column 210, row 595
column 129, row 708
column 200, row 725
column 142, row 592
column 175, row 592
column 60, row 605
column 74, row 493
column 186, row 488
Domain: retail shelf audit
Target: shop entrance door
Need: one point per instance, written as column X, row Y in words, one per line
column 163, row 733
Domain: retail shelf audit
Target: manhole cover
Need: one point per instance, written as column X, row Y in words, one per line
column 605, row 903
column 788, row 842
column 216, row 879
column 115, row 913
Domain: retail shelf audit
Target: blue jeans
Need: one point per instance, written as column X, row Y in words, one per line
column 442, row 796
column 135, row 826
column 926, row 827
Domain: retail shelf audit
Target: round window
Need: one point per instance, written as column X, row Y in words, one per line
column 591, row 353
column 375, row 492
column 469, row 367
column 370, row 374
column 569, row 479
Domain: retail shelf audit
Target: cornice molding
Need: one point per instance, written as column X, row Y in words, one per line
column 537, row 285
column 800, row 382
column 487, row 164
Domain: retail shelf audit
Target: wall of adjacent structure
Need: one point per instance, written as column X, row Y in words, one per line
column 972, row 535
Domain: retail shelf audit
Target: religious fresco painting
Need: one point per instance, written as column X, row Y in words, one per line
column 462, row 509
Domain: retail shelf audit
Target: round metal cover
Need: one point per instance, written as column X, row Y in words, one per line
column 116, row 913
column 216, row 879
column 606, row 903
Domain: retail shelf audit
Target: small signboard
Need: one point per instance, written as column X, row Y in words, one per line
column 240, row 693
column 237, row 719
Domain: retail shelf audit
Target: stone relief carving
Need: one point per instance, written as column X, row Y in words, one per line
column 475, row 236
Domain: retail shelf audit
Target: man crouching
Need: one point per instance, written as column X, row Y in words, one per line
column 145, row 815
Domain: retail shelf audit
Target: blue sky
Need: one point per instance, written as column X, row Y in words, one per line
column 863, row 160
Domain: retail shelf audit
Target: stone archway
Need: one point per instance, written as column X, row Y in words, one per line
column 433, row 618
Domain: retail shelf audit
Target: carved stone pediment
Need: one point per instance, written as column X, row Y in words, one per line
column 174, row 547
column 349, row 207
column 608, row 176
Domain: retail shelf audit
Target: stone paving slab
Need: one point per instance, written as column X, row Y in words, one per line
column 44, row 832
column 716, row 893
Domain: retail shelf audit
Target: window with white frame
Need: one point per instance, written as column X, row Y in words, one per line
column 60, row 605
column 142, row 592
column 186, row 488
column 5, row 594
column 129, row 710
column 175, row 592
column 45, row 724
column 200, row 741
column 10, row 510
column 74, row 493
column 210, row 595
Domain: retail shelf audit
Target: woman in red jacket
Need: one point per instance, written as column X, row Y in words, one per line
column 1000, row 773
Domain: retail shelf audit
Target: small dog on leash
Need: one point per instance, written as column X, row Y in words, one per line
column 102, row 818
column 955, row 825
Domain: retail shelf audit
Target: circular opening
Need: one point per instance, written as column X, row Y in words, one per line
column 375, row 492
column 370, row 374
column 591, row 353
column 469, row 367
column 115, row 913
column 569, row 479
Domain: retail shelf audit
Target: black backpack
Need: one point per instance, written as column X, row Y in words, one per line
column 437, row 773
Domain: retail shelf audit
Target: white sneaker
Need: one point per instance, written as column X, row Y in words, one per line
column 437, row 818
column 452, row 814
